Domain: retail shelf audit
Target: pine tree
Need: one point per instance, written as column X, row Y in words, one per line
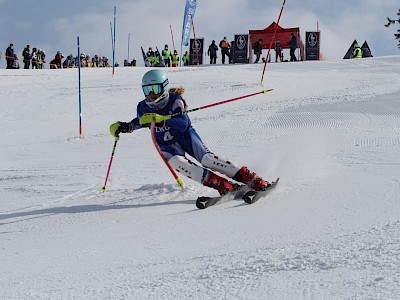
column 391, row 22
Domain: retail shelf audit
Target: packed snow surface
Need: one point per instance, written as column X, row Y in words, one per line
column 330, row 230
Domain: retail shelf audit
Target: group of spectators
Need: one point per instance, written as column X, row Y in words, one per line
column 35, row 59
column 226, row 51
column 278, row 49
column 166, row 58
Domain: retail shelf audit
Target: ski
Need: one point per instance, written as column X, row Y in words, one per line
column 204, row 202
column 146, row 61
column 160, row 58
column 253, row 196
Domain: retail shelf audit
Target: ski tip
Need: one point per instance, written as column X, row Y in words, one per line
column 200, row 204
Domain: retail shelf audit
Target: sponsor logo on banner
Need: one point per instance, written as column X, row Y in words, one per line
column 312, row 45
column 312, row 39
column 241, row 42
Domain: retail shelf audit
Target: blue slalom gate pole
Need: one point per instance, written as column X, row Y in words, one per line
column 79, row 90
column 115, row 13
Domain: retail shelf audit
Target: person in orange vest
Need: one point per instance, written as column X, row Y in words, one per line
column 175, row 59
column 224, row 45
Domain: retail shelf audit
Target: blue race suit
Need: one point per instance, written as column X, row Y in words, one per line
column 177, row 136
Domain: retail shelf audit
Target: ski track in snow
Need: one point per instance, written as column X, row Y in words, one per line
column 330, row 230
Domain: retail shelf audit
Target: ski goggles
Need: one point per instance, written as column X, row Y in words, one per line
column 156, row 89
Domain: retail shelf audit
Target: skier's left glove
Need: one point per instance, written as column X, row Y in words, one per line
column 159, row 119
column 118, row 127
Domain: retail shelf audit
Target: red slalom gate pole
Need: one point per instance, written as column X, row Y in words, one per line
column 172, row 35
column 270, row 45
column 219, row 103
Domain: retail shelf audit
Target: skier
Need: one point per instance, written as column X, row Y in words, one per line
column 176, row 136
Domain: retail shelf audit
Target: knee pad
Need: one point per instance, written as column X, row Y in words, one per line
column 214, row 163
column 188, row 168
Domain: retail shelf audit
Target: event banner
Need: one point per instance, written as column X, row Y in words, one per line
column 190, row 9
column 196, row 51
column 240, row 48
column 312, row 45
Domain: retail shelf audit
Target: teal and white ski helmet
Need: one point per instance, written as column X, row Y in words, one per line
column 156, row 82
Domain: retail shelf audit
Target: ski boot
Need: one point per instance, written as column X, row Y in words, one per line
column 251, row 179
column 222, row 185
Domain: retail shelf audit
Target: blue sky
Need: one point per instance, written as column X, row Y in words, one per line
column 54, row 25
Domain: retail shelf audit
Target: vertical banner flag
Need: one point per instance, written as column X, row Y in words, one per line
column 190, row 9
column 196, row 51
column 312, row 45
column 241, row 48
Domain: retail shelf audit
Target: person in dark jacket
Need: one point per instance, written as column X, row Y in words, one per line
column 10, row 56
column 258, row 50
column 278, row 51
column 27, row 57
column 293, row 46
column 212, row 52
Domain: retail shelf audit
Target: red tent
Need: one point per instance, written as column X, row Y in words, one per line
column 282, row 34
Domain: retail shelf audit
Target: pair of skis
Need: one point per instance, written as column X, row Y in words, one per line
column 249, row 197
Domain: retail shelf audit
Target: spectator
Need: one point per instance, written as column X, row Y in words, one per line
column 212, row 52
column 56, row 62
column 185, row 59
column 34, row 59
column 357, row 53
column 293, row 46
column 166, row 53
column 150, row 56
column 175, row 59
column 157, row 59
column 278, row 51
column 10, row 56
column 68, row 62
column 41, row 55
column 15, row 64
column 224, row 45
column 133, row 62
column 95, row 61
column 27, row 57
column 258, row 50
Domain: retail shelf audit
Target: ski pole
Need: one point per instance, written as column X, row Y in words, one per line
column 103, row 189
column 153, row 137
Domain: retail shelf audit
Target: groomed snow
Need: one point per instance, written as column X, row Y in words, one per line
column 330, row 230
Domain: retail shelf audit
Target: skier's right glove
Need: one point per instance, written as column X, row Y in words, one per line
column 118, row 127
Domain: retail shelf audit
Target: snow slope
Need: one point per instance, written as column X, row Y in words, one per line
column 331, row 229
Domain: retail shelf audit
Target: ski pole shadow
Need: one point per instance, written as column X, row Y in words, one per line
column 19, row 216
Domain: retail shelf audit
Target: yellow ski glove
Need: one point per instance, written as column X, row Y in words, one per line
column 148, row 118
